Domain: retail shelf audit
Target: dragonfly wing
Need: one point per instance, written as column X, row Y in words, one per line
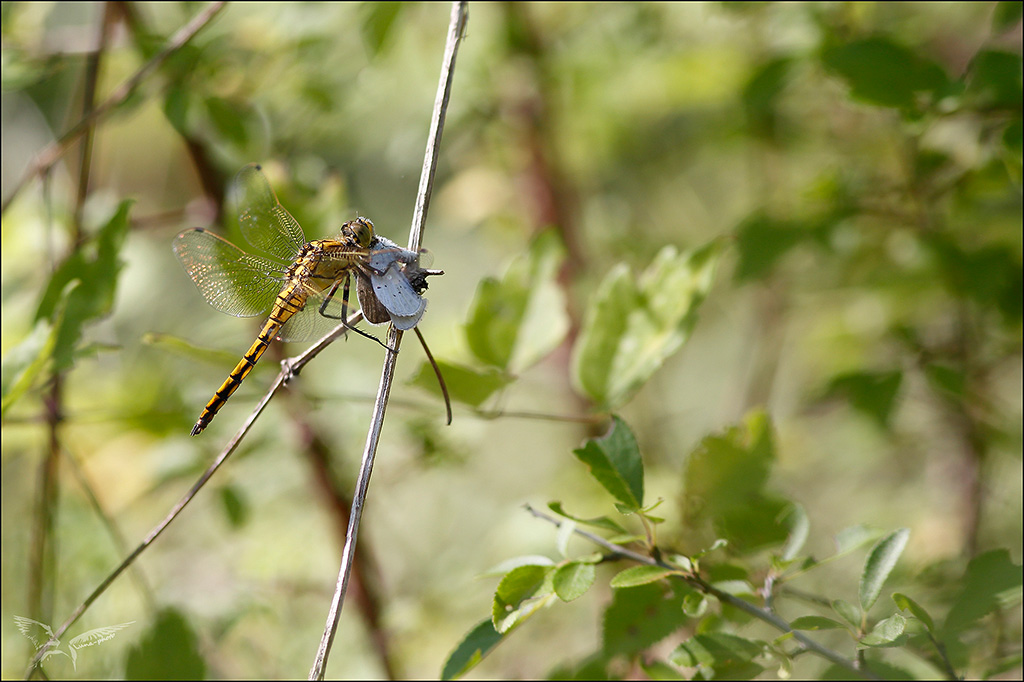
column 231, row 280
column 264, row 221
column 307, row 324
column 317, row 317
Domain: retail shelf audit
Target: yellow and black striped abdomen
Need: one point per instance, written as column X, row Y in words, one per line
column 290, row 301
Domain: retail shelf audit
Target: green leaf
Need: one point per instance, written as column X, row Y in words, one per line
column 177, row 103
column 887, row 632
column 494, row 319
column 593, row 667
column 992, row 582
column 853, row 537
column 639, row 575
column 565, row 532
column 630, row 328
column 520, row 319
column 572, row 580
column 762, row 241
column 815, row 623
column 725, row 479
column 1013, row 140
column 695, row 604
column 519, row 594
column 727, row 656
column 229, row 118
column 879, row 565
column 657, row 670
column 717, row 544
column 479, row 642
column 994, row 80
column 882, row 72
column 614, row 460
column 605, row 324
column 24, row 363
column 465, row 385
column 872, row 393
column 800, row 527
column 760, row 96
column 642, row 616
column 515, row 562
column 1007, row 15
column 991, row 275
column 378, row 20
column 905, row 603
column 850, row 613
column 602, row 522
column 949, row 380
column 93, row 298
column 23, row 68
column 236, row 508
column 169, row 650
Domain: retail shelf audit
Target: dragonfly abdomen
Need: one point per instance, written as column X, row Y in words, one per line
column 289, row 302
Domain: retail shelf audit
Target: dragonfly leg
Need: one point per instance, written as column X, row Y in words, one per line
column 344, row 312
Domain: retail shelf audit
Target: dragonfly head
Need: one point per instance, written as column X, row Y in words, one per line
column 360, row 229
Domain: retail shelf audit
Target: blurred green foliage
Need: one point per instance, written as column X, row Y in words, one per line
column 783, row 242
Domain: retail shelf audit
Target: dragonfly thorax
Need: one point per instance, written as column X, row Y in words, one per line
column 323, row 261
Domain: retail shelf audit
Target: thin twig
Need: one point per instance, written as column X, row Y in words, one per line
column 46, row 159
column 700, row 584
column 283, row 376
column 289, row 368
column 365, row 588
column 456, row 26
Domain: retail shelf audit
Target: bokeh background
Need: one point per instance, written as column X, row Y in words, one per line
column 860, row 162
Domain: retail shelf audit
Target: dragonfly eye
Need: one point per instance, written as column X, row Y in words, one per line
column 361, row 230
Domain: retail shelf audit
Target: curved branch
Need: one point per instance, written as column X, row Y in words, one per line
column 46, row 159
column 732, row 600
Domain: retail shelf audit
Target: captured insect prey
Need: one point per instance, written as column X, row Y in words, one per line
column 299, row 280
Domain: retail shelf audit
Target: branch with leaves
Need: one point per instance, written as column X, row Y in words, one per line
column 669, row 594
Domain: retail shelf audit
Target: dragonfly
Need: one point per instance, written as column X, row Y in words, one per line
column 299, row 281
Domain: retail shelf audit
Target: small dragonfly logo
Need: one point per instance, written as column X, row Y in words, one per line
column 40, row 634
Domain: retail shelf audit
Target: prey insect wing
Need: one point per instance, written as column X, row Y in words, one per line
column 395, row 293
column 389, row 286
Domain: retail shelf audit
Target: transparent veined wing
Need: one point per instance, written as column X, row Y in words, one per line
column 231, row 280
column 312, row 322
column 264, row 221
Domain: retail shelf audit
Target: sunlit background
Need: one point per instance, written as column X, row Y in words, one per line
column 868, row 299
